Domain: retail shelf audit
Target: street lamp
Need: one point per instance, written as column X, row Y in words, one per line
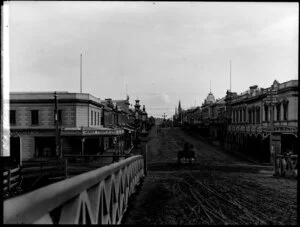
column 144, row 117
column 144, row 139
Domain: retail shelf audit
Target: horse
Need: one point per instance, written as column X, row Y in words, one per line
column 188, row 153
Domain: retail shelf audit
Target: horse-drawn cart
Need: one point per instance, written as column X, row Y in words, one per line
column 188, row 153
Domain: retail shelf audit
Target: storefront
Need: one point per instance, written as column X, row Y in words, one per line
column 91, row 141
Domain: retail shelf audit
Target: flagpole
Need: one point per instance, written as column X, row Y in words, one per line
column 80, row 73
column 230, row 75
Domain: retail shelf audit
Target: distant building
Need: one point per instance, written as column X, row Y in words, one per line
column 258, row 122
column 264, row 118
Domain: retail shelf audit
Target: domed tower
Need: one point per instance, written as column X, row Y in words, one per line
column 210, row 98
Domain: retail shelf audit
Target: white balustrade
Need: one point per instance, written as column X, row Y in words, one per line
column 96, row 197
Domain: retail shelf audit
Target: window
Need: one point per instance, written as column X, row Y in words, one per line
column 285, row 110
column 34, row 117
column 98, row 118
column 91, row 117
column 59, row 116
column 278, row 112
column 12, row 117
column 258, row 115
column 241, row 115
column 244, row 115
column 102, row 118
column 249, row 116
column 235, row 116
column 95, row 118
column 266, row 114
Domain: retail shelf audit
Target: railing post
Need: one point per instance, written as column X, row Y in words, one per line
column 8, row 180
column 66, row 168
column 145, row 150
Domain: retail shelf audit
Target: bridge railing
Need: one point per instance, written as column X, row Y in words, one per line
column 97, row 197
column 77, row 164
column 12, row 178
column 286, row 165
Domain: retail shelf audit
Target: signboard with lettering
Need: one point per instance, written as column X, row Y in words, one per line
column 92, row 132
column 103, row 132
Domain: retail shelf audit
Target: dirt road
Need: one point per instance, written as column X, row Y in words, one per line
column 218, row 189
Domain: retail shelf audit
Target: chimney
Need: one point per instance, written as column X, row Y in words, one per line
column 137, row 105
column 253, row 89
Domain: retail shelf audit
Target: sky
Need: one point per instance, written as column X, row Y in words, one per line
column 158, row 52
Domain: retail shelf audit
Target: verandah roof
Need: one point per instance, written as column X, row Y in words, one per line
column 91, row 132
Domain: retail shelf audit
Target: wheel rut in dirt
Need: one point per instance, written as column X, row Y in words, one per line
column 217, row 189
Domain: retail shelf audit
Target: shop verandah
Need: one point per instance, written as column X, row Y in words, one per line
column 95, row 141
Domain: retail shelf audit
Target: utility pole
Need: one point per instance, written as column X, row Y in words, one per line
column 57, row 142
column 271, row 126
column 230, row 75
column 164, row 115
column 80, row 73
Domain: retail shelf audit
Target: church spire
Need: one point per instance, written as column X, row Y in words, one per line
column 179, row 107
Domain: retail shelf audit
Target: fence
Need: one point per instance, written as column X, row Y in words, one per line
column 286, row 165
column 12, row 178
column 96, row 197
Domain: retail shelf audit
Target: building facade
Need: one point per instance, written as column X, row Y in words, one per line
column 84, row 125
column 264, row 122
column 260, row 122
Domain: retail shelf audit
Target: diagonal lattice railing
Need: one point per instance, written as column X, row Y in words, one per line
column 96, row 197
column 286, row 165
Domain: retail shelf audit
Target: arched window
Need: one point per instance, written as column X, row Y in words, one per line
column 253, row 114
column 234, row 114
column 285, row 109
column 250, row 116
column 241, row 115
column 257, row 114
column 266, row 113
column 278, row 111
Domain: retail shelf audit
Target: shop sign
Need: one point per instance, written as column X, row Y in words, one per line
column 28, row 132
column 71, row 132
column 102, row 132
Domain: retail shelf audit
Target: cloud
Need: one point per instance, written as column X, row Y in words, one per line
column 164, row 51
